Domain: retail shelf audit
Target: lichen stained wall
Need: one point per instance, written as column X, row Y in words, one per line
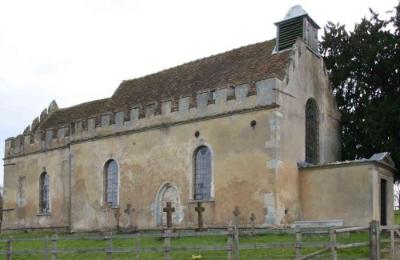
column 21, row 193
column 150, row 159
column 306, row 78
column 348, row 191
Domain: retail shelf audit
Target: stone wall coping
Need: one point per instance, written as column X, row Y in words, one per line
column 304, row 167
column 140, row 117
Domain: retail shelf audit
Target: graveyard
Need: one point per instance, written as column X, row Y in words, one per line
column 202, row 242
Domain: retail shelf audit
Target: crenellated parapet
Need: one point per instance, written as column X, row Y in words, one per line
column 167, row 111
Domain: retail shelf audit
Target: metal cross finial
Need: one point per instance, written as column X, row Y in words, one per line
column 199, row 210
column 169, row 210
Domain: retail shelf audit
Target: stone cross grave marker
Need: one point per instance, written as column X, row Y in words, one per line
column 169, row 210
column 128, row 211
column 117, row 215
column 252, row 221
column 2, row 211
column 199, row 210
column 236, row 214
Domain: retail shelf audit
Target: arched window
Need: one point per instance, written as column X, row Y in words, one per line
column 202, row 173
column 312, row 132
column 44, row 193
column 111, row 183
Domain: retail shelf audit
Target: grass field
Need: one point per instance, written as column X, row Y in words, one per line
column 287, row 253
column 80, row 241
column 397, row 217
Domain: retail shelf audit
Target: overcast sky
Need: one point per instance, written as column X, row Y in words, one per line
column 76, row 51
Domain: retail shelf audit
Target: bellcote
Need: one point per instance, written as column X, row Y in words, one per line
column 296, row 24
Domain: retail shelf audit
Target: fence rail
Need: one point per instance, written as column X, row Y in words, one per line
column 53, row 245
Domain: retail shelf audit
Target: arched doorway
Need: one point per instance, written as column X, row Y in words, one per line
column 168, row 193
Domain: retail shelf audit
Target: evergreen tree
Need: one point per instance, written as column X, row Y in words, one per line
column 364, row 66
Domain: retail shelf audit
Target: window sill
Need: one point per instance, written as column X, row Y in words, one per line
column 43, row 214
column 109, row 207
column 191, row 201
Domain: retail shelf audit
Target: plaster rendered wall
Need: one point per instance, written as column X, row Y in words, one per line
column 25, row 213
column 349, row 192
column 148, row 160
column 306, row 78
column 254, row 169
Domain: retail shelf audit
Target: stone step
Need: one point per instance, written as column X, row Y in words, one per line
column 318, row 223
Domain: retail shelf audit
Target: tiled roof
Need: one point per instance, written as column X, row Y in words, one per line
column 243, row 65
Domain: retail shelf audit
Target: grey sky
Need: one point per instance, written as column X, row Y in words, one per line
column 76, row 51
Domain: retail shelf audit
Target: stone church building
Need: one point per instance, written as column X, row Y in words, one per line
column 254, row 131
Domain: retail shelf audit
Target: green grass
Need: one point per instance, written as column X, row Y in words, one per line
column 80, row 241
column 149, row 242
column 397, row 217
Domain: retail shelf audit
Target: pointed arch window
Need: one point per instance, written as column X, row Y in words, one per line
column 202, row 173
column 111, row 183
column 44, row 193
column 312, row 132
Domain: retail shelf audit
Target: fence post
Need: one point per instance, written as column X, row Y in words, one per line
column 392, row 249
column 298, row 243
column 167, row 244
column 108, row 240
column 137, row 245
column 9, row 248
column 236, row 242
column 46, row 247
column 332, row 235
column 54, row 247
column 229, row 243
column 374, row 240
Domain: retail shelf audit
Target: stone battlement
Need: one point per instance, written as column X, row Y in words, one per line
column 140, row 117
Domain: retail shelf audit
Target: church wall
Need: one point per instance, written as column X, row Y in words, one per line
column 348, row 191
column 337, row 193
column 150, row 159
column 21, row 192
column 306, row 78
column 225, row 114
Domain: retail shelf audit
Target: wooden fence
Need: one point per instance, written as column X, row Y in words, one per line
column 386, row 237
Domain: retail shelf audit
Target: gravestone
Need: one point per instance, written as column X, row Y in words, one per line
column 252, row 219
column 117, row 215
column 236, row 216
column 327, row 223
column 168, row 193
column 128, row 210
column 200, row 210
column 252, row 222
column 169, row 210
